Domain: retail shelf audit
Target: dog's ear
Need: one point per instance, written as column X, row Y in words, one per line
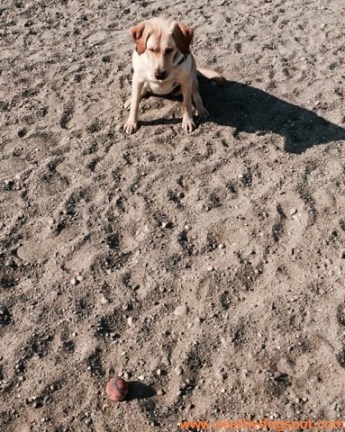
column 183, row 36
column 138, row 34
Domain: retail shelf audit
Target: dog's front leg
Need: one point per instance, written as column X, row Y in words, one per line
column 132, row 123
column 187, row 119
column 200, row 109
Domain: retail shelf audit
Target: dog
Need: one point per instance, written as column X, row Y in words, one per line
column 163, row 64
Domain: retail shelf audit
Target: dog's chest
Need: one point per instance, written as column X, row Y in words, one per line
column 162, row 87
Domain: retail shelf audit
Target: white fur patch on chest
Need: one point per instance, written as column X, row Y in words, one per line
column 162, row 87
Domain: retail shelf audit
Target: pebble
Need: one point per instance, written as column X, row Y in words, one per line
column 181, row 310
column 293, row 211
column 220, row 375
column 5, row 316
column 74, row 281
column 104, row 300
column 179, row 370
column 210, row 268
column 166, row 361
column 130, row 321
column 51, row 221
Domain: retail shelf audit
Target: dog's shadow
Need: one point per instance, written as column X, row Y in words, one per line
column 248, row 109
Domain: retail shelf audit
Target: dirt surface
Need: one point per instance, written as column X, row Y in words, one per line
column 207, row 269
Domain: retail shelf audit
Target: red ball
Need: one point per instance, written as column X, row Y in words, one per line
column 117, row 389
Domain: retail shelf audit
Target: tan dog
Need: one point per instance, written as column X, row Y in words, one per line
column 163, row 64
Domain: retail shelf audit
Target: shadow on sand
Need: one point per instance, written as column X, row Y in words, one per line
column 138, row 390
column 248, row 109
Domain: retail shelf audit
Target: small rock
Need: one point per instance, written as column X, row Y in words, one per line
column 293, row 211
column 5, row 316
column 220, row 375
column 181, row 310
column 179, row 370
column 74, row 281
column 166, row 361
column 51, row 221
column 104, row 300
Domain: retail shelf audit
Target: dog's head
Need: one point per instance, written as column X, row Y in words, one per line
column 161, row 41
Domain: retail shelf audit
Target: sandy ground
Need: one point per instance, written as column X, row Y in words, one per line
column 208, row 269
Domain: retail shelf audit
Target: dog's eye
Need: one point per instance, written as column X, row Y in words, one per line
column 168, row 51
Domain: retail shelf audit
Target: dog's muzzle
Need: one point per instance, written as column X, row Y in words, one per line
column 161, row 75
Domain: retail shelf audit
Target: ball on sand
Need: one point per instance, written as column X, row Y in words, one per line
column 117, row 389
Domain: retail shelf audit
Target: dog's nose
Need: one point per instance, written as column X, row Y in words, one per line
column 160, row 74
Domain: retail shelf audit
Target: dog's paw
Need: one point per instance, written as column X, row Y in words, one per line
column 202, row 113
column 188, row 124
column 130, row 127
